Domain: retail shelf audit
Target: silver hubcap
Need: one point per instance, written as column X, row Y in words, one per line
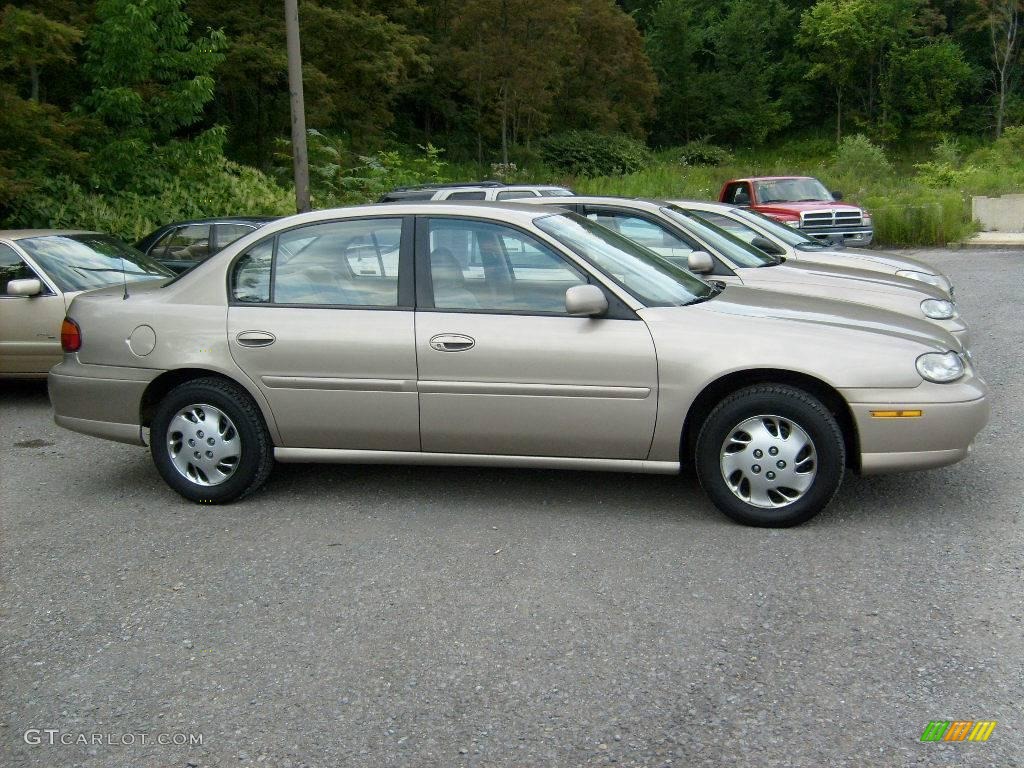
column 203, row 444
column 768, row 461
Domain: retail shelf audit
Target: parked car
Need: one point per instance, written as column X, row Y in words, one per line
column 184, row 244
column 804, row 203
column 767, row 234
column 473, row 190
column 41, row 270
column 510, row 336
column 702, row 247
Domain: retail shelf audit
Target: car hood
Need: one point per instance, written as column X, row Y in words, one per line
column 859, row 258
column 837, row 281
column 817, row 205
column 823, row 312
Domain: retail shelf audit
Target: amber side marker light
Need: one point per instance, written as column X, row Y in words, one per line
column 897, row 414
column 70, row 335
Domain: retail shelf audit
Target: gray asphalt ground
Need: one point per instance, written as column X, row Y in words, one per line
column 374, row 616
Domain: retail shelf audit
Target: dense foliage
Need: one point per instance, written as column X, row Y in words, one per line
column 120, row 114
column 588, row 153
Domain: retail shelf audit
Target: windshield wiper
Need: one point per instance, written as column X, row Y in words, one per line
column 716, row 286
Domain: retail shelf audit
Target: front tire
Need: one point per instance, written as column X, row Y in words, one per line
column 209, row 441
column 770, row 455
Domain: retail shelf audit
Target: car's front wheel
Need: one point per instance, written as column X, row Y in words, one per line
column 770, row 455
column 209, row 441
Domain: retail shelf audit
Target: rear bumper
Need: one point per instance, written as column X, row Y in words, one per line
column 943, row 433
column 99, row 400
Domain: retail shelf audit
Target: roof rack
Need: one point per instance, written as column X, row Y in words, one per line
column 451, row 185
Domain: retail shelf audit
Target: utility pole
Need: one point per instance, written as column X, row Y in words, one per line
column 300, row 157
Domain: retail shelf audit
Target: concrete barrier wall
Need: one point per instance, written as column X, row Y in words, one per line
column 999, row 214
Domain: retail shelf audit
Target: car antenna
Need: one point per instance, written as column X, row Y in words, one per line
column 124, row 278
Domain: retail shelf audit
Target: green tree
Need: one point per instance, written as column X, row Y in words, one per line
column 609, row 85
column 849, row 42
column 30, row 41
column 358, row 60
column 509, row 56
column 742, row 86
column 673, row 42
column 925, row 86
column 1003, row 22
column 150, row 78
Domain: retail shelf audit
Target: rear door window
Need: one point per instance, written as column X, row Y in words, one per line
column 225, row 234
column 188, row 243
column 352, row 262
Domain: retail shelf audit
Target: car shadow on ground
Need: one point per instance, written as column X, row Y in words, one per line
column 475, row 488
column 23, row 390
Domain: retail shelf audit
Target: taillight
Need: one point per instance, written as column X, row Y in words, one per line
column 70, row 335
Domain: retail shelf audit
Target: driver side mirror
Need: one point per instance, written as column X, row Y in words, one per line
column 767, row 246
column 837, row 196
column 30, row 287
column 700, row 262
column 585, row 301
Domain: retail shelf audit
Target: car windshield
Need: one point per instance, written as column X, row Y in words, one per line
column 792, row 191
column 779, row 231
column 646, row 275
column 86, row 262
column 729, row 246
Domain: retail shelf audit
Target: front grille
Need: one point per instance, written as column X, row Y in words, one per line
column 830, row 218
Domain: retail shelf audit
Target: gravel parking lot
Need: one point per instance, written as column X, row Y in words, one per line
column 376, row 616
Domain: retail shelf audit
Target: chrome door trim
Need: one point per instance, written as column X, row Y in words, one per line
column 336, row 384
column 531, row 390
column 346, row 456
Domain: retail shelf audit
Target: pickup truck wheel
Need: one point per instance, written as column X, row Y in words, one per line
column 770, row 455
column 209, row 442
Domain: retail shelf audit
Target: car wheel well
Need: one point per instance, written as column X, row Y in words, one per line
column 167, row 381
column 721, row 388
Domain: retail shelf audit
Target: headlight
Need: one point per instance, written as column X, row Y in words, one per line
column 938, row 309
column 937, row 280
column 940, row 367
column 784, row 220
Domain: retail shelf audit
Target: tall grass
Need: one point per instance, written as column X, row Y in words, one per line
column 918, row 197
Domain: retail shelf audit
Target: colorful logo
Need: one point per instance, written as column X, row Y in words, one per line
column 958, row 730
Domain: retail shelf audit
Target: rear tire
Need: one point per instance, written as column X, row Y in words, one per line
column 209, row 441
column 770, row 455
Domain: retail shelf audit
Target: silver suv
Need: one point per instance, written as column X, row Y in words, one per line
column 490, row 191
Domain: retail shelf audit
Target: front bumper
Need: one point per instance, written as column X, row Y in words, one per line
column 854, row 237
column 951, row 417
column 99, row 400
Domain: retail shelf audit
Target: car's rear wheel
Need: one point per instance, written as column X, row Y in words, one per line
column 770, row 455
column 209, row 441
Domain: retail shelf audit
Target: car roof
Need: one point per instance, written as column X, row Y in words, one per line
column 634, row 202
column 25, row 234
column 769, row 178
column 222, row 220
column 511, row 212
column 449, row 185
column 708, row 205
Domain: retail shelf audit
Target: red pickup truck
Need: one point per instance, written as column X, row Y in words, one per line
column 804, row 203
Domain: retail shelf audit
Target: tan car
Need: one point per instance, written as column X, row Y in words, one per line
column 41, row 271
column 792, row 244
column 706, row 249
column 510, row 336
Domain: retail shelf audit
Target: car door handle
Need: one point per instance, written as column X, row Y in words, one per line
column 451, row 342
column 255, row 338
